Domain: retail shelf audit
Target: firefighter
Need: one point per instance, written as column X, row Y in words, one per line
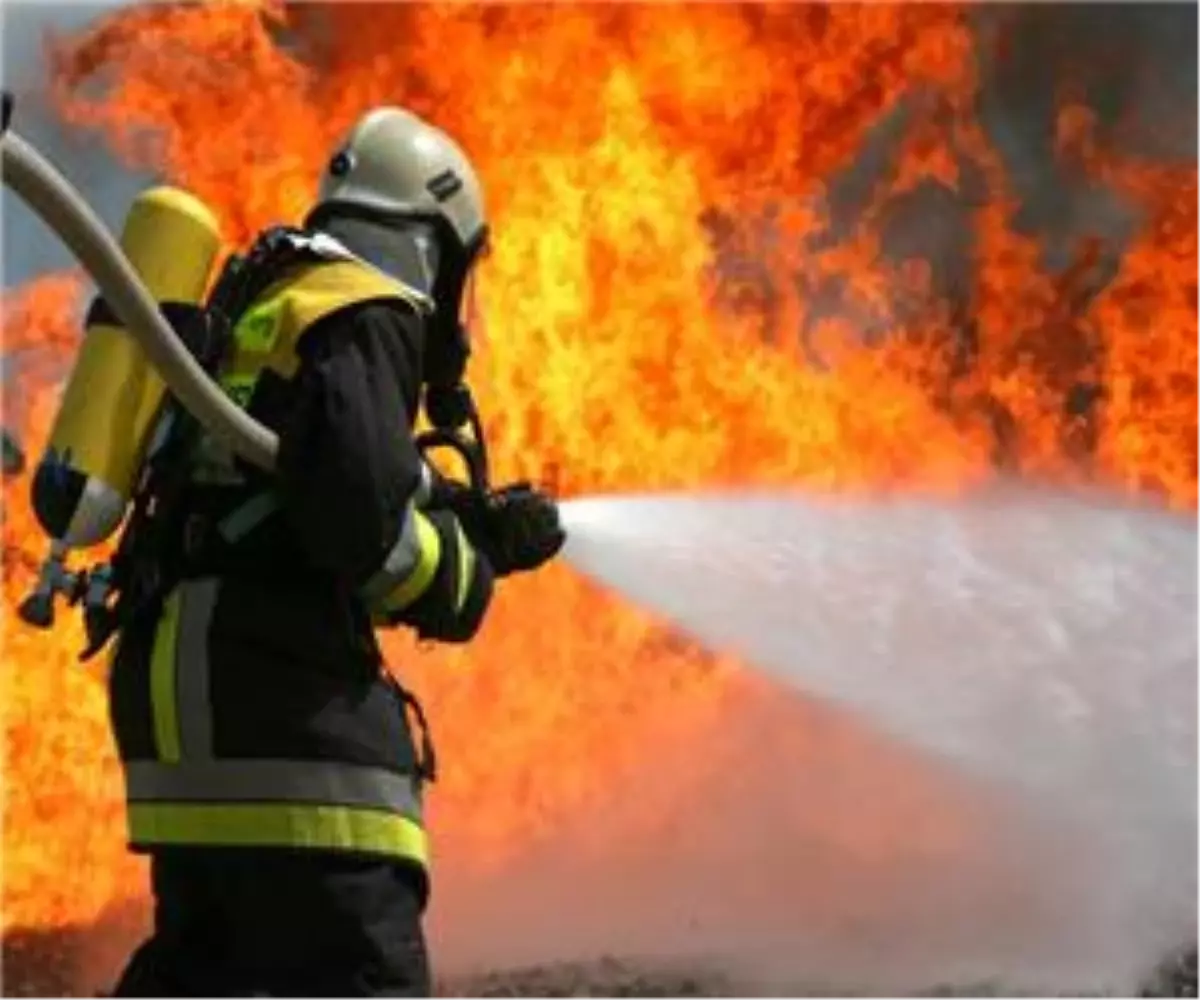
column 274, row 770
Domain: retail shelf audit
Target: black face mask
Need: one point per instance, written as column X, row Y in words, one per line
column 447, row 350
column 448, row 346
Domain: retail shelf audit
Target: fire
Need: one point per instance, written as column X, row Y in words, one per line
column 657, row 302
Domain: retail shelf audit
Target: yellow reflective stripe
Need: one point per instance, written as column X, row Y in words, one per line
column 271, row 825
column 400, row 561
column 466, row 567
column 164, row 705
column 239, row 387
column 429, row 548
column 313, row 291
column 268, row 332
column 258, row 329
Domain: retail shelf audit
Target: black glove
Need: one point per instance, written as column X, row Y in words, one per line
column 516, row 527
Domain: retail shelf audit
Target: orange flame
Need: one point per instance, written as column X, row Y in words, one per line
column 622, row 351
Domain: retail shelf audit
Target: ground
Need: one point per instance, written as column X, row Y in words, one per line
column 42, row 966
column 47, row 964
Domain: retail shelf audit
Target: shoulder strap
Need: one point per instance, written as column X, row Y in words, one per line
column 321, row 279
column 287, row 247
column 315, row 290
column 274, row 256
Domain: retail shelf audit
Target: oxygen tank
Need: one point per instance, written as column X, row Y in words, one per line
column 108, row 410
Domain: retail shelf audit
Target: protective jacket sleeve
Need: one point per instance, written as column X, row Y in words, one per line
column 349, row 471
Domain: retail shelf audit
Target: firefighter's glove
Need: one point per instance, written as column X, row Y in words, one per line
column 516, row 527
column 520, row 529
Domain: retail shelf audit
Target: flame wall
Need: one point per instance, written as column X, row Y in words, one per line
column 673, row 300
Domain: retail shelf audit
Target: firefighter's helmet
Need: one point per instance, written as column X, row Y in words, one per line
column 394, row 164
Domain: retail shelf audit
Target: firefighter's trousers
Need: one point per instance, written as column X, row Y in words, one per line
column 241, row 922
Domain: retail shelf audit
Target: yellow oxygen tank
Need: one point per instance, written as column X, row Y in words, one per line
column 111, row 402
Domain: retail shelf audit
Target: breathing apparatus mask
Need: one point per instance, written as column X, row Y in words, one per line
column 414, row 251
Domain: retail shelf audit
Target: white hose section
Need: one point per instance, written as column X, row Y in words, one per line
column 52, row 197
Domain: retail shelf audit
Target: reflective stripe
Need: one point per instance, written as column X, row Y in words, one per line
column 270, row 825
column 466, row 567
column 320, row 245
column 403, row 558
column 321, row 782
column 162, row 428
column 247, row 516
column 190, row 797
column 197, row 602
column 163, row 682
column 258, row 329
column 179, row 696
column 239, row 387
column 430, row 545
column 410, row 566
column 424, row 491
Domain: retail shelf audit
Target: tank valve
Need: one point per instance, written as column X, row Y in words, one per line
column 90, row 589
column 53, row 579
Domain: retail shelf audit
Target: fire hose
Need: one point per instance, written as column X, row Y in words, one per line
column 65, row 211
column 57, row 203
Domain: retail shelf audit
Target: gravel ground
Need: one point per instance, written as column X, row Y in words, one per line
column 47, row 964
column 613, row 978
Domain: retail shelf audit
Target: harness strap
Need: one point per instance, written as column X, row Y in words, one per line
column 427, row 765
column 137, row 573
column 141, row 577
column 184, row 318
column 246, row 517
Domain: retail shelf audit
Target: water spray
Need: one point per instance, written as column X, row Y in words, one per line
column 1042, row 645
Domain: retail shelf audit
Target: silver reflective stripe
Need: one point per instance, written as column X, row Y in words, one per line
column 272, row 781
column 400, row 561
column 320, row 245
column 244, row 518
column 197, row 599
column 424, row 491
column 162, row 427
